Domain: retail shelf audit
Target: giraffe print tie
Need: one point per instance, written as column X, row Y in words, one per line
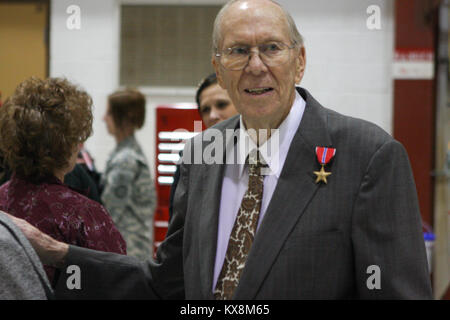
column 242, row 234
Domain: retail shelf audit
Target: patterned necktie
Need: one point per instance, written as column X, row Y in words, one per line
column 242, row 235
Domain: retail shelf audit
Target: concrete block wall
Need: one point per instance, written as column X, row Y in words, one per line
column 89, row 57
column 348, row 66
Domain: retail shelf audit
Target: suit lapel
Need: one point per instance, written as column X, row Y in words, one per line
column 212, row 177
column 297, row 182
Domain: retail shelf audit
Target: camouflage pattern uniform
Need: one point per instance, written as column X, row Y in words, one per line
column 129, row 196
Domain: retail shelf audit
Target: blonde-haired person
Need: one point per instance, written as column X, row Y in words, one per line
column 128, row 188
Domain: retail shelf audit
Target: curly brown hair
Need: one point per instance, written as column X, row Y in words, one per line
column 127, row 108
column 41, row 125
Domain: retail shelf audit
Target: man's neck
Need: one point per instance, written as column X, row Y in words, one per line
column 260, row 131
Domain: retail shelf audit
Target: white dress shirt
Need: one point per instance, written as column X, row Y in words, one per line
column 235, row 180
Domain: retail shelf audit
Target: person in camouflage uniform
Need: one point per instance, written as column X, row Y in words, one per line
column 128, row 187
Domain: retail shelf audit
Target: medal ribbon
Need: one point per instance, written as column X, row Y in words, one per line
column 324, row 154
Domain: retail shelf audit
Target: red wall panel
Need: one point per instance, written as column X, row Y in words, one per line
column 414, row 99
column 169, row 119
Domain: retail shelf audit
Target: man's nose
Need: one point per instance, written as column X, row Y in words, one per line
column 255, row 64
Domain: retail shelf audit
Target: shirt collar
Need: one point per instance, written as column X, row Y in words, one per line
column 274, row 150
column 130, row 140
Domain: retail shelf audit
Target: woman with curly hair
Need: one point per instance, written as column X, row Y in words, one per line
column 42, row 127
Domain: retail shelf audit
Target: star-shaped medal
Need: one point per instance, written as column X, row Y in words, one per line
column 322, row 175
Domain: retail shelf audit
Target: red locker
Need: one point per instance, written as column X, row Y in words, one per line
column 174, row 124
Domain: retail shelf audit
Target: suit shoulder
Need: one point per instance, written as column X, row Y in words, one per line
column 19, row 279
column 357, row 132
column 218, row 129
column 227, row 124
column 7, row 240
column 12, row 253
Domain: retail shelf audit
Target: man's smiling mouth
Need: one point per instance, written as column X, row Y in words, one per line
column 258, row 91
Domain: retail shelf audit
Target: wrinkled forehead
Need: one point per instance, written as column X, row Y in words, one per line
column 243, row 22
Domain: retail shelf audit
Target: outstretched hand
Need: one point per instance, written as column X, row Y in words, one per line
column 50, row 251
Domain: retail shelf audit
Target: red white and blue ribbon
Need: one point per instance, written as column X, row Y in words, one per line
column 324, row 154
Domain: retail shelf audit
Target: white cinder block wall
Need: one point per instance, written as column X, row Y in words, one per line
column 89, row 57
column 348, row 65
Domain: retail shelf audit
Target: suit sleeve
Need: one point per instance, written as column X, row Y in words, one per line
column 389, row 250
column 104, row 275
column 173, row 187
column 113, row 276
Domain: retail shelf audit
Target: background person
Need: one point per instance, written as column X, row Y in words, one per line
column 128, row 187
column 214, row 105
column 42, row 126
column 86, row 161
column 78, row 179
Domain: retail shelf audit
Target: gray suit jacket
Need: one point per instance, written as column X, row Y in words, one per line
column 317, row 241
column 21, row 272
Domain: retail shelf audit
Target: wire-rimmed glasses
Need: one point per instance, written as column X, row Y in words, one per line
column 271, row 53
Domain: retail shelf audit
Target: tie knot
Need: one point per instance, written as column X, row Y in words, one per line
column 255, row 161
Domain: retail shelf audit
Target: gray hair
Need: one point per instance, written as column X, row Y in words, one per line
column 295, row 36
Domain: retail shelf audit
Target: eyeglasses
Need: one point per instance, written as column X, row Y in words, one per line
column 271, row 53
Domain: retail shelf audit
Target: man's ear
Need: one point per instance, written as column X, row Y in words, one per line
column 216, row 66
column 300, row 65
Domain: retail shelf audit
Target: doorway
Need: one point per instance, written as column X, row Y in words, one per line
column 24, row 34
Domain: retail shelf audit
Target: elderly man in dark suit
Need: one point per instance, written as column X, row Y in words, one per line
column 330, row 213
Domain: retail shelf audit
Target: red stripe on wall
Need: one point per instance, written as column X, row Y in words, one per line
column 414, row 100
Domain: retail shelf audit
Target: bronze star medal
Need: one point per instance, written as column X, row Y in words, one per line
column 324, row 155
column 322, row 175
